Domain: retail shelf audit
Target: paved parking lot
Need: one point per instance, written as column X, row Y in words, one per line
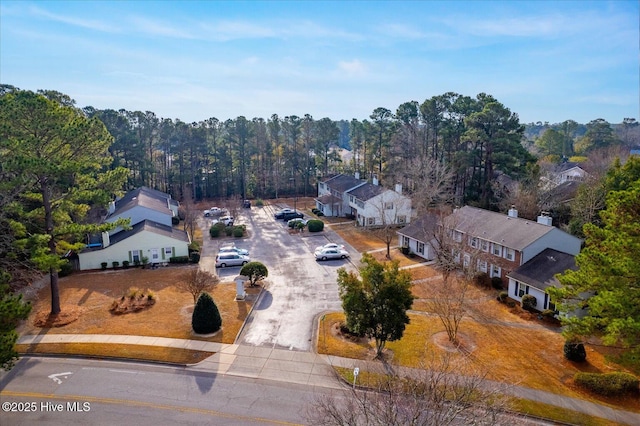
column 298, row 287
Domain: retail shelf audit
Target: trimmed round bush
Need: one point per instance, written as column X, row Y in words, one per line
column 206, row 316
column 502, row 296
column 608, row 384
column 256, row 271
column 175, row 220
column 259, row 203
column 315, row 225
column 238, row 231
column 482, row 279
column 496, row 282
column 529, row 302
column 194, row 257
column 574, row 351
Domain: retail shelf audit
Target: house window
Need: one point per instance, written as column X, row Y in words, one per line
column 457, row 236
column 521, row 289
column 466, row 261
column 484, row 245
column 421, row 248
column 135, row 255
column 482, row 265
column 405, row 241
column 509, row 254
column 456, row 255
column 371, row 221
column 402, row 219
column 388, row 206
column 497, row 250
column 473, row 242
column 496, row 271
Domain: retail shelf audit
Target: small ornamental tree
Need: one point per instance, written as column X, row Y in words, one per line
column 256, row 271
column 376, row 305
column 206, row 316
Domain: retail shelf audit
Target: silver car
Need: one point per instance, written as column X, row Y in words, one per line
column 331, row 253
column 231, row 259
column 233, row 249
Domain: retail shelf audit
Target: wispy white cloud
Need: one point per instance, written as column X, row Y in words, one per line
column 354, row 68
column 92, row 24
column 154, row 27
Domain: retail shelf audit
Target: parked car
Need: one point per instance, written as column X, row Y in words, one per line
column 331, row 253
column 291, row 215
column 280, row 213
column 227, row 220
column 330, row 246
column 246, row 204
column 228, row 249
column 293, row 222
column 231, row 259
column 213, row 211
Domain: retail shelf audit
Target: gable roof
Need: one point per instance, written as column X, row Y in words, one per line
column 343, row 183
column 150, row 226
column 540, row 271
column 367, row 191
column 145, row 197
column 499, row 228
column 422, row 229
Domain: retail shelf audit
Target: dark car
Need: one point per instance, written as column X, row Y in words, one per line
column 246, row 204
column 291, row 215
column 280, row 213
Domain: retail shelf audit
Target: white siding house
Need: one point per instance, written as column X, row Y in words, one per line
column 373, row 205
column 143, row 204
column 332, row 197
column 156, row 242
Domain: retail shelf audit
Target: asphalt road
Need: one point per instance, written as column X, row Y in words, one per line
column 103, row 392
column 298, row 287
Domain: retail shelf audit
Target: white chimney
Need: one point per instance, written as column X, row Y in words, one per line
column 105, row 240
column 375, row 180
column 513, row 212
column 112, row 207
column 399, row 188
column 357, row 175
column 545, row 219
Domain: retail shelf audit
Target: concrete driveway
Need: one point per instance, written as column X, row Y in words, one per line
column 298, row 287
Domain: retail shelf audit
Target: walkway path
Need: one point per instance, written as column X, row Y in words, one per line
column 303, row 367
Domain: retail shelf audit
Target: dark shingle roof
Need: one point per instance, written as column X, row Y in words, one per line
column 145, row 197
column 421, row 229
column 150, row 226
column 540, row 271
column 342, row 183
column 512, row 232
column 366, row 191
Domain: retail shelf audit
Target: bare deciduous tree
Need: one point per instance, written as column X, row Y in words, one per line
column 196, row 281
column 429, row 183
column 446, row 392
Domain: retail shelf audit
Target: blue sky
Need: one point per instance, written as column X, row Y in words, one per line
column 192, row 60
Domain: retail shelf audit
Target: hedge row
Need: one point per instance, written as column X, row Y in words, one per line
column 608, row 384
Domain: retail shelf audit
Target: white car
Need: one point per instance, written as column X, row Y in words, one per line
column 292, row 223
column 236, row 250
column 213, row 211
column 227, row 220
column 330, row 246
column 331, row 253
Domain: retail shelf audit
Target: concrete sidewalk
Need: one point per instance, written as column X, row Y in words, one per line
column 304, row 367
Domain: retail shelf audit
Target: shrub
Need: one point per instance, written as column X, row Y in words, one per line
column 103, row 265
column 206, row 316
column 608, row 384
column 194, row 257
column 175, row 220
column 256, row 271
column 136, row 262
column 145, row 261
column 502, row 296
column 228, row 231
column 314, row 210
column 496, row 282
column 238, row 231
column 482, row 279
column 549, row 313
column 125, row 264
column 179, row 259
column 259, row 203
column 574, row 351
column 65, row 269
column 405, row 250
column 529, row 302
column 315, row 225
column 319, row 214
column 214, row 231
column 194, row 246
column 115, row 264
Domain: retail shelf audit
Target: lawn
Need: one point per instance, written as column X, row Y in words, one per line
column 91, row 294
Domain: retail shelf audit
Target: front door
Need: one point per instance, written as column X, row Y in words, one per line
column 155, row 256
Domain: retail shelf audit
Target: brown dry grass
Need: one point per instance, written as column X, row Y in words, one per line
column 94, row 292
column 134, row 352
